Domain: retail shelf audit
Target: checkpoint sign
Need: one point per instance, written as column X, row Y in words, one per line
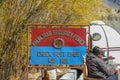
column 58, row 46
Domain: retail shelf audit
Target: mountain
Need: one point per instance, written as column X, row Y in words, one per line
column 116, row 2
column 112, row 10
column 113, row 3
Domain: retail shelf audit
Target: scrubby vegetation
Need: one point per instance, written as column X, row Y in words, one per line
column 16, row 14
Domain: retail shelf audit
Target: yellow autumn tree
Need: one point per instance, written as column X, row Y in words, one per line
column 69, row 12
column 16, row 14
column 86, row 11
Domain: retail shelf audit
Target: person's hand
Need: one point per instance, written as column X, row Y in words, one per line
column 116, row 70
column 110, row 57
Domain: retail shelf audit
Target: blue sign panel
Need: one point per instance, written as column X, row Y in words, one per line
column 48, row 55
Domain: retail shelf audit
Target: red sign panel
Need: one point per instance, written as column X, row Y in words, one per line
column 69, row 36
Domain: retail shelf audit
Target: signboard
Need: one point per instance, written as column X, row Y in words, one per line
column 58, row 46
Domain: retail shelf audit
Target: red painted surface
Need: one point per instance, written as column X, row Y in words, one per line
column 68, row 40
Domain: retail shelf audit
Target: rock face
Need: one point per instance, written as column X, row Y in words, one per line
column 117, row 2
column 112, row 17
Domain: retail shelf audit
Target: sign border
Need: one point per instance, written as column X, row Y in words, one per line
column 29, row 26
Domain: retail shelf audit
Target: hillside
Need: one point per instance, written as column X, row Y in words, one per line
column 114, row 2
column 16, row 14
column 111, row 12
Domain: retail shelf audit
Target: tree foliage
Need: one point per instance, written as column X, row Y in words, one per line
column 16, row 14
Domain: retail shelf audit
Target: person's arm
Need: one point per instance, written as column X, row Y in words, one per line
column 105, row 69
column 108, row 58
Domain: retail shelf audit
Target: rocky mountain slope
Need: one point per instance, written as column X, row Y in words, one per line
column 115, row 2
column 112, row 10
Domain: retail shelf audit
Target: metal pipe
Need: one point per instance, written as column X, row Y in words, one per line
column 106, row 41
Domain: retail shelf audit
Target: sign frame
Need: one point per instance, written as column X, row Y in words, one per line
column 30, row 26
